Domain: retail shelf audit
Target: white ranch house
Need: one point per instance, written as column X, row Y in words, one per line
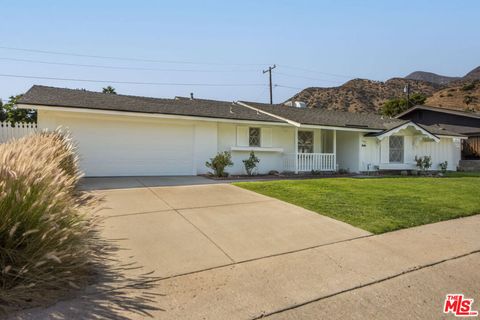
column 120, row 135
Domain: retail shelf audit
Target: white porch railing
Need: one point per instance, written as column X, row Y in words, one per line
column 18, row 130
column 310, row 161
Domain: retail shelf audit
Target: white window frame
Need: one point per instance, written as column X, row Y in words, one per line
column 313, row 140
column 259, row 139
column 390, row 149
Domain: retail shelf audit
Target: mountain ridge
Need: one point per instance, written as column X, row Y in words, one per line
column 363, row 95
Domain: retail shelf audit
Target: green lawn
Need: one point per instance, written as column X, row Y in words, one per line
column 463, row 174
column 382, row 204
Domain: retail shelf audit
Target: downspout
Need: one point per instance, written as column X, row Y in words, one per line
column 335, row 150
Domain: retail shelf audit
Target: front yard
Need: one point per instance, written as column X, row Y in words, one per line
column 379, row 204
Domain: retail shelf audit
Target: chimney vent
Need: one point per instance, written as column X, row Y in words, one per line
column 300, row 104
column 191, row 95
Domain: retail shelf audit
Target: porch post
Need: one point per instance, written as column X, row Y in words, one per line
column 335, row 149
column 296, row 150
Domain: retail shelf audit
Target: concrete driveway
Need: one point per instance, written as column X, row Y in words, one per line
column 180, row 229
column 226, row 253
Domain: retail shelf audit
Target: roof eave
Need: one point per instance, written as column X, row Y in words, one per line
column 391, row 131
column 142, row 114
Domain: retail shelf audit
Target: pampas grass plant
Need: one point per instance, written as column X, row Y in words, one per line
column 47, row 232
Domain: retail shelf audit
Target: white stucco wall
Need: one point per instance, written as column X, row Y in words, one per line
column 283, row 138
column 117, row 145
column 348, row 150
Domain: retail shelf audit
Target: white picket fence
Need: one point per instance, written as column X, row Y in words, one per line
column 18, row 130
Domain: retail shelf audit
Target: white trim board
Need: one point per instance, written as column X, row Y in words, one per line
column 395, row 130
column 144, row 115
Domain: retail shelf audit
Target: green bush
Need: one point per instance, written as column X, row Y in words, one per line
column 468, row 86
column 219, row 163
column 47, row 236
column 423, row 163
column 443, row 166
column 251, row 163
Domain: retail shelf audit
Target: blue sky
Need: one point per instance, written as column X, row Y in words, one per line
column 314, row 43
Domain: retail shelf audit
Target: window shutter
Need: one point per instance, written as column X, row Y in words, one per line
column 242, row 136
column 266, row 136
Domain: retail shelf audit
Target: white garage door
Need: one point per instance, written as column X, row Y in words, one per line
column 133, row 148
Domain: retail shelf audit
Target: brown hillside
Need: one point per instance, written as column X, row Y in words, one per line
column 360, row 95
column 473, row 75
column 460, row 95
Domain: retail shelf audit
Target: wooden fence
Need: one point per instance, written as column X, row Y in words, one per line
column 471, row 148
column 17, row 130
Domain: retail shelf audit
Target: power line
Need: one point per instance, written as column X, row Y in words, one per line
column 121, row 67
column 288, row 87
column 308, row 78
column 269, row 70
column 127, row 58
column 138, row 83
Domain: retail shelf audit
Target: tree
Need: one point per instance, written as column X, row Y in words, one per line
column 109, row 89
column 10, row 113
column 3, row 114
column 393, row 107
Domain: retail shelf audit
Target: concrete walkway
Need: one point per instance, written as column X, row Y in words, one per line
column 226, row 253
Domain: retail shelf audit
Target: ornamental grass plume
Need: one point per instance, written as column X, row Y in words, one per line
column 48, row 237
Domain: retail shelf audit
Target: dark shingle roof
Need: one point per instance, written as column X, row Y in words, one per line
column 314, row 116
column 442, row 110
column 76, row 98
column 465, row 130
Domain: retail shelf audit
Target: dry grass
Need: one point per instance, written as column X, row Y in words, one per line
column 48, row 239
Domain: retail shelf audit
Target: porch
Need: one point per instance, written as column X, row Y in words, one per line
column 315, row 151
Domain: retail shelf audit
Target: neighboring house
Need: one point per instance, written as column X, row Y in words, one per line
column 464, row 123
column 121, row 135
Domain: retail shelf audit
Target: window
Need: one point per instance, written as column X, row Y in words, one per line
column 396, row 149
column 305, row 141
column 254, row 137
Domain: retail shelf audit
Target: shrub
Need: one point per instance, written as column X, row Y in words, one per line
column 443, row 166
column 423, row 163
column 251, row 163
column 219, row 163
column 392, row 107
column 47, row 237
column 468, row 86
column 469, row 99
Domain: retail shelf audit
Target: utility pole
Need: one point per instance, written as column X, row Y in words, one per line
column 269, row 70
column 407, row 91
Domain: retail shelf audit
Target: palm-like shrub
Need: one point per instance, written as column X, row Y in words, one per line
column 250, row 164
column 219, row 163
column 47, row 233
